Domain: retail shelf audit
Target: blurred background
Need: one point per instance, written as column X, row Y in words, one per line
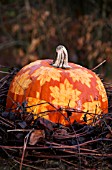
column 32, row 29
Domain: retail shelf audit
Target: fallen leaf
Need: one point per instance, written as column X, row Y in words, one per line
column 36, row 136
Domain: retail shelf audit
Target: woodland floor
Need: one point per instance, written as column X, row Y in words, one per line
column 77, row 147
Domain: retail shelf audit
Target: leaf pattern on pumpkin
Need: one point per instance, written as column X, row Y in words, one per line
column 65, row 94
column 36, row 106
column 81, row 75
column 45, row 74
column 21, row 83
column 31, row 65
column 101, row 89
column 93, row 108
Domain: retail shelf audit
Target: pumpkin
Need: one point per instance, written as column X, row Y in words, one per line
column 59, row 91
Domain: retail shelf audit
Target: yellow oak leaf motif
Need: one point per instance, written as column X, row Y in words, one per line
column 101, row 89
column 45, row 74
column 93, row 108
column 36, row 106
column 21, row 83
column 81, row 75
column 65, row 94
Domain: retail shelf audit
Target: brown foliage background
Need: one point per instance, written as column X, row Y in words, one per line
column 31, row 30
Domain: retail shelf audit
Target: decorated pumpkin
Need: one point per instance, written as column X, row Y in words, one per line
column 59, row 91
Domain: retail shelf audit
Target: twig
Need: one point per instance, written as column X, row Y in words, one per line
column 5, row 72
column 68, row 162
column 26, row 165
column 98, row 65
column 19, row 130
column 7, row 122
column 24, row 148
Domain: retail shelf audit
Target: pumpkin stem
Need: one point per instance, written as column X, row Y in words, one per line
column 62, row 57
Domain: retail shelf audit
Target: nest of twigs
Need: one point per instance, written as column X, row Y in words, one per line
column 45, row 145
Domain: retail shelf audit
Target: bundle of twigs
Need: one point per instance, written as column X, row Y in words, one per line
column 42, row 144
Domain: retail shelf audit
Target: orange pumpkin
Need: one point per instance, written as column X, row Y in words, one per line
column 48, row 87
